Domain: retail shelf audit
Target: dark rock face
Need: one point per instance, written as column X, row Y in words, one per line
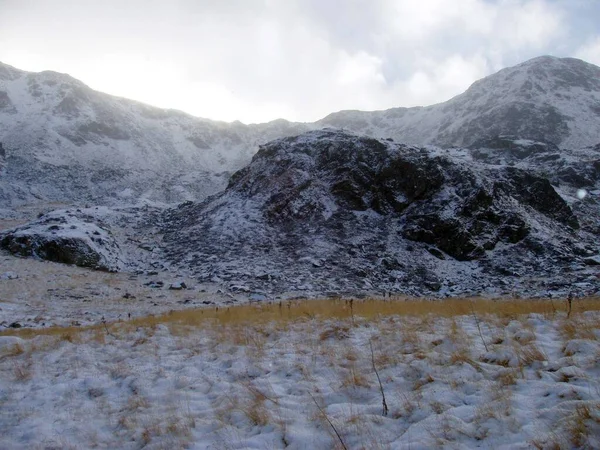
column 5, row 102
column 462, row 212
column 62, row 250
column 329, row 205
column 514, row 119
column 504, row 149
column 538, row 193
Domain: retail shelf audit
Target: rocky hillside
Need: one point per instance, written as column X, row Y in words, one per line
column 551, row 99
column 330, row 211
column 61, row 141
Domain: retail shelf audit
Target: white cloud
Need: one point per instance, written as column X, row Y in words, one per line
column 527, row 24
column 257, row 60
column 590, row 52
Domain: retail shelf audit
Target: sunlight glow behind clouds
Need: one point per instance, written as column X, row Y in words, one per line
column 259, row 60
column 590, row 51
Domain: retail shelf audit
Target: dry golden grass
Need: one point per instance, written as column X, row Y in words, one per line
column 580, row 423
column 462, row 357
column 13, row 350
column 579, row 327
column 507, row 377
column 185, row 321
column 335, row 331
column 28, row 333
column 529, row 354
column 354, row 379
column 256, row 411
column 23, row 370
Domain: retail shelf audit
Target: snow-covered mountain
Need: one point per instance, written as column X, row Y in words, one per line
column 61, row 141
column 330, row 211
column 551, row 99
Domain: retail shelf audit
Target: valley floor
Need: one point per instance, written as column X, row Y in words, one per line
column 455, row 374
column 36, row 294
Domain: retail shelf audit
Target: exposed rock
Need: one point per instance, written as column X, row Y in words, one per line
column 592, row 260
column 64, row 238
column 509, row 149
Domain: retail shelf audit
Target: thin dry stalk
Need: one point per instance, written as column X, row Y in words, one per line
column 383, row 402
column 324, row 414
column 478, row 327
column 106, row 327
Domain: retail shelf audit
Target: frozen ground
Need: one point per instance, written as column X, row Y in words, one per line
column 285, row 377
column 35, row 293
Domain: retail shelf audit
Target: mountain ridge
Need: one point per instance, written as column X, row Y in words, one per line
column 440, row 124
column 64, row 142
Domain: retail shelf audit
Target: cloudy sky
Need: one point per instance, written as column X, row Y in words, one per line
column 258, row 60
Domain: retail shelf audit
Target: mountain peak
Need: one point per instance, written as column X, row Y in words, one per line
column 543, row 99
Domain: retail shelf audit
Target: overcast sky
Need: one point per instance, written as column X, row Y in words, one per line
column 258, row 60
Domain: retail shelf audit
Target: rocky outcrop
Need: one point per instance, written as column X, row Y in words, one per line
column 328, row 208
column 64, row 238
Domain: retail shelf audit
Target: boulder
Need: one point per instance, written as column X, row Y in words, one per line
column 64, row 238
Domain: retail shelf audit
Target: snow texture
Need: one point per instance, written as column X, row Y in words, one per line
column 550, row 99
column 287, row 384
column 62, row 141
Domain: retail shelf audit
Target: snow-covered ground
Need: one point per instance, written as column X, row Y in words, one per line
column 281, row 376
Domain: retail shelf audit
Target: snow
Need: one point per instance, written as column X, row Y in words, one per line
column 257, row 384
column 495, row 381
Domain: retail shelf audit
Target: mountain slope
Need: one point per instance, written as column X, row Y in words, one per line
column 63, row 141
column 551, row 99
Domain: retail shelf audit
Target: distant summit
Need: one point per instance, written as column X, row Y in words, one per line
column 551, row 99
